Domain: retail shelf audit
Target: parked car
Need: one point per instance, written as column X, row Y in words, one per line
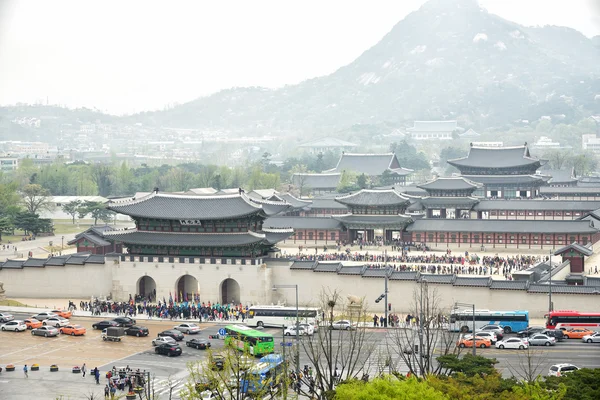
column 512, row 343
column 559, row 369
column 163, row 339
column 291, row 331
column 45, row 331
column 44, row 315
column 5, row 317
column 593, row 338
column 497, row 329
column 541, row 340
column 189, row 328
column 15, row 325
column 343, row 325
column 477, row 342
column 124, row 321
column 530, row 331
column 200, row 344
column 107, row 323
column 32, row 323
column 56, row 321
column 490, row 335
column 577, row 333
column 310, row 329
column 168, row 349
column 558, row 334
column 63, row 313
column 217, row 362
column 73, row 330
column 172, row 333
column 137, row 330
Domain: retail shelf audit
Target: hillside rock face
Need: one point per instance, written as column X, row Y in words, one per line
column 449, row 59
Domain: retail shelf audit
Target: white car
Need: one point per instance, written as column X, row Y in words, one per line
column 188, row 328
column 56, row 321
column 163, row 339
column 593, row 338
column 14, row 325
column 343, row 325
column 491, row 336
column 310, row 329
column 5, row 317
column 559, row 369
column 512, row 343
column 291, row 331
column 44, row 315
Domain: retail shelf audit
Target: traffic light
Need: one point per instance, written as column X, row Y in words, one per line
column 389, row 306
column 380, row 298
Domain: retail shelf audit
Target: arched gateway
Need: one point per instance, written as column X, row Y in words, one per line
column 187, row 287
column 230, row 291
column 146, row 286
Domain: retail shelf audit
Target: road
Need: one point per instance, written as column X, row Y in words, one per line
column 171, row 372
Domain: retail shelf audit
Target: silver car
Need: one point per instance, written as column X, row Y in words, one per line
column 5, row 317
column 541, row 340
column 344, row 325
column 56, row 321
column 593, row 338
column 45, row 331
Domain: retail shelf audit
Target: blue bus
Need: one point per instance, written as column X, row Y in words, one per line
column 511, row 321
column 268, row 373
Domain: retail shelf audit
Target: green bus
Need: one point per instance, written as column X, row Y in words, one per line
column 247, row 339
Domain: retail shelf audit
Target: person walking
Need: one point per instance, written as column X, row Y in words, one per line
column 25, row 371
column 106, row 391
column 83, row 369
column 97, row 375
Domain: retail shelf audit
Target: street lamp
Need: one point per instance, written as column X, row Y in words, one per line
column 470, row 305
column 423, row 282
column 62, row 243
column 275, row 287
column 550, row 283
column 385, row 292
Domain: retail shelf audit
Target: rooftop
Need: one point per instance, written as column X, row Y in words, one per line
column 316, row 181
column 301, row 222
column 433, row 126
column 500, row 225
column 135, row 237
column 374, row 197
column 496, row 157
column 328, row 142
column 515, row 204
column 454, row 183
column 369, row 164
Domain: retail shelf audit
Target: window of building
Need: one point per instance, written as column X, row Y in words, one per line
column 430, row 237
column 572, row 239
column 321, row 236
column 310, row 235
column 300, row 234
column 332, row 236
column 465, row 238
column 453, row 238
column 524, row 239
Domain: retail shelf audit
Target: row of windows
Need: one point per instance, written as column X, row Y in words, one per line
column 465, row 238
column 489, row 317
column 531, row 213
column 579, row 319
column 310, row 235
column 282, row 313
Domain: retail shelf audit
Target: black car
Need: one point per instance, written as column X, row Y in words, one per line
column 555, row 333
column 217, row 362
column 124, row 321
column 172, row 333
column 107, row 323
column 530, row 331
column 200, row 344
column 168, row 349
column 137, row 331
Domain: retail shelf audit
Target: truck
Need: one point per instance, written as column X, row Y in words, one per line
column 113, row 334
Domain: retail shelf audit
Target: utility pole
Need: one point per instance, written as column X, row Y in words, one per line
column 387, row 272
column 550, row 307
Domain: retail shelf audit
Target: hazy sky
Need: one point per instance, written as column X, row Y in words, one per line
column 130, row 56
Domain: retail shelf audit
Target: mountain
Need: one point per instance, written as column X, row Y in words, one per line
column 449, row 59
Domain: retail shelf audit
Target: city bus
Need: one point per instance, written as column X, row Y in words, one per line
column 278, row 316
column 267, row 374
column 511, row 321
column 247, row 339
column 567, row 319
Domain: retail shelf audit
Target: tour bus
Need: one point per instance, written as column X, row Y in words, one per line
column 254, row 342
column 268, row 373
column 278, row 316
column 567, row 319
column 511, row 321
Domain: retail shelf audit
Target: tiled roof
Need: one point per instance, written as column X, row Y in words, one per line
column 570, row 189
column 496, row 157
column 271, row 207
column 95, row 259
column 474, row 281
column 328, row 142
column 90, row 237
column 57, row 261
column 133, row 236
column 455, row 183
column 575, row 247
column 561, row 175
column 592, row 281
column 368, row 164
column 468, row 134
column 374, row 273
column 302, row 222
column 327, row 203
column 559, row 205
column 35, row 262
column 12, row 264
column 327, row 181
column 351, row 269
column 374, row 198
column 564, row 289
column 433, row 126
column 437, row 278
column 294, row 201
column 500, row 225
column 179, row 207
column 303, row 265
column 517, row 179
column 415, row 206
column 404, row 276
column 77, row 259
column 410, row 190
column 430, row 202
column 509, row 285
column 370, row 220
column 327, row 267
column 277, row 235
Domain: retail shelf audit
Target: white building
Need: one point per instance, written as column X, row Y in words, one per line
column 432, row 130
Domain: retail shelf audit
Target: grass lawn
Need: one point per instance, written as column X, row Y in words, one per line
column 12, row 303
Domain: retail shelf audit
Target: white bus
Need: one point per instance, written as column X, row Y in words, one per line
column 278, row 316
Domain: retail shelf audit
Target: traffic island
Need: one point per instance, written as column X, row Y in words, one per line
column 54, row 368
column 10, row 368
column 35, row 367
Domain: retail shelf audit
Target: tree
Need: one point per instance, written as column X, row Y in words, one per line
column 469, row 365
column 581, row 384
column 9, row 200
column 72, row 208
column 340, row 356
column 347, row 182
column 300, row 180
column 530, row 364
column 35, row 198
column 32, row 223
column 557, row 159
column 98, row 211
column 418, row 345
column 102, row 177
column 362, row 181
column 388, row 388
column 6, row 225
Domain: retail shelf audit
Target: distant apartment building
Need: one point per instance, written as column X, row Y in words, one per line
column 8, row 163
column 25, row 148
column 545, row 143
column 590, row 142
column 432, row 130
